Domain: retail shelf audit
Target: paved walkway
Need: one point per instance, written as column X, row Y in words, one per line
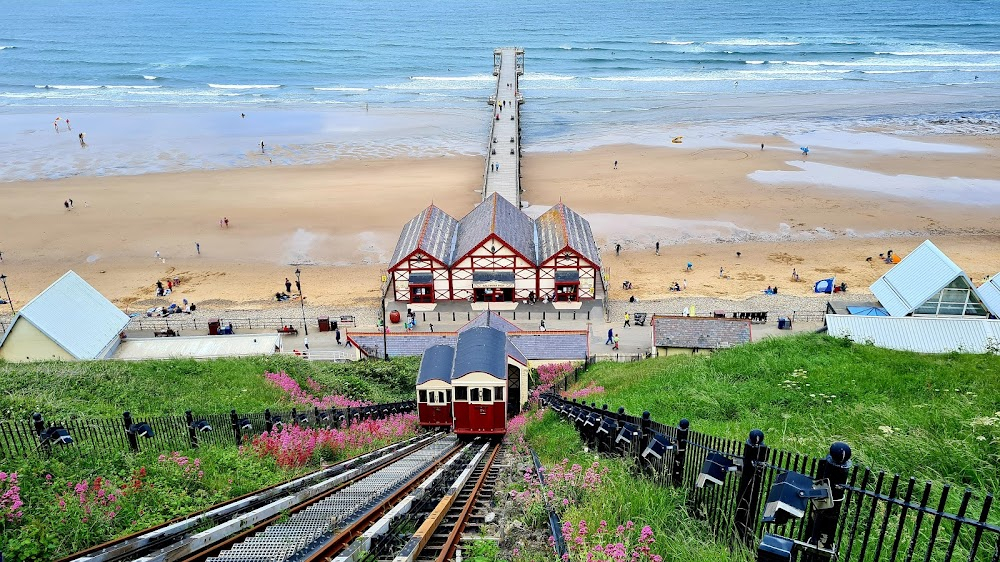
column 503, row 157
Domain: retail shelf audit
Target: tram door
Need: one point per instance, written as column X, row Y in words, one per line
column 513, row 391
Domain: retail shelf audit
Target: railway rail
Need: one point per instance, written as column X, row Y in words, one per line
column 208, row 533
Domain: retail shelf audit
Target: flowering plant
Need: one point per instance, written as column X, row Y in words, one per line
column 299, row 396
column 10, row 497
column 584, row 392
column 565, row 485
column 548, row 375
column 604, row 545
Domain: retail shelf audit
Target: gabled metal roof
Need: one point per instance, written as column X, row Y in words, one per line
column 564, row 345
column 916, row 278
column 432, row 231
column 514, row 353
column 405, row 344
column 481, row 350
column 495, row 321
column 561, row 227
column 922, row 334
column 497, row 216
column 436, row 364
column 701, row 333
column 989, row 292
column 74, row 316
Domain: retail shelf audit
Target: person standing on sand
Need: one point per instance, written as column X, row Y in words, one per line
column 618, row 249
column 157, row 254
column 628, row 323
column 288, row 285
column 657, row 247
column 197, row 247
column 70, row 203
column 262, row 147
column 243, row 115
column 1, row 257
column 66, row 204
column 762, row 146
column 298, row 286
column 685, row 284
column 68, row 128
column 611, row 337
column 721, row 273
column 226, row 221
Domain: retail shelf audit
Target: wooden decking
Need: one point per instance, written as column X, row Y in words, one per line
column 503, row 157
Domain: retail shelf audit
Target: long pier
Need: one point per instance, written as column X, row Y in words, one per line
column 503, row 157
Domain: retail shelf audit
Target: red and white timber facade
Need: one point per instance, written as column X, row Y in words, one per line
column 496, row 253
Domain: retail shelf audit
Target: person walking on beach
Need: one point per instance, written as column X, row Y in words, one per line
column 197, row 246
column 616, row 342
column 611, row 337
column 762, row 146
column 616, row 164
column 83, row 143
column 66, row 204
column 220, row 223
column 305, row 342
column 243, row 115
column 262, row 147
column 70, row 203
column 68, row 128
column 1, row 257
column 721, row 273
column 56, row 125
column 288, row 285
column 628, row 322
column 157, row 253
column 657, row 247
column 618, row 249
column 225, row 220
column 298, row 286
column 684, row 284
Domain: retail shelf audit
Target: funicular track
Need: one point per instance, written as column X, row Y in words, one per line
column 323, row 502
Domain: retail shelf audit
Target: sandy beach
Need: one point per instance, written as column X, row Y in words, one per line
column 339, row 221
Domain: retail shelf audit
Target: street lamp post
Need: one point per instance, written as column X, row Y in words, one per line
column 302, row 304
column 4, row 279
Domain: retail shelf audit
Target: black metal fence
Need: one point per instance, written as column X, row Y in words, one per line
column 789, row 506
column 23, row 438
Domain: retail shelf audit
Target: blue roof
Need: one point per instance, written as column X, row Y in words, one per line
column 514, row 353
column 401, row 345
column 551, row 345
column 481, row 350
column 495, row 321
column 436, row 364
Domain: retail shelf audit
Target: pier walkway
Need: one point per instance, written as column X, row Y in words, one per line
column 503, row 155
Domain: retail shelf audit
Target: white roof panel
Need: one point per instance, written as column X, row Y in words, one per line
column 916, row 278
column 990, row 293
column 917, row 333
column 75, row 316
column 198, row 347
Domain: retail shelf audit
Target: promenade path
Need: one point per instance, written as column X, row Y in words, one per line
column 503, row 156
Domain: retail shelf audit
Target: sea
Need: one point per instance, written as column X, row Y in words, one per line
column 160, row 86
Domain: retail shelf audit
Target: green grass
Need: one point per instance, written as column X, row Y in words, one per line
column 625, row 496
column 934, row 417
column 107, row 388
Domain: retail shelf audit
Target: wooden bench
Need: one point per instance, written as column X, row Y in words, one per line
column 292, row 331
column 347, row 319
column 168, row 333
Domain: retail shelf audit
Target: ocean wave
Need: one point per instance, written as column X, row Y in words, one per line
column 473, row 78
column 754, row 62
column 5, row 47
column 65, row 87
column 532, row 76
column 672, row 42
column 149, row 77
column 244, row 86
column 131, row 87
column 935, row 53
column 752, row 43
column 340, row 89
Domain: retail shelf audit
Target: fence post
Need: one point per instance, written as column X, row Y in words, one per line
column 681, row 452
column 822, row 527
column 237, row 432
column 644, row 434
column 133, row 441
column 268, row 422
column 192, row 434
column 748, row 492
column 39, row 428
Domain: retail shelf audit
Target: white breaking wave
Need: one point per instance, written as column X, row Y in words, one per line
column 65, row 87
column 531, row 76
column 244, row 86
column 340, row 89
column 148, row 77
column 935, row 53
column 672, row 42
column 132, row 87
column 473, row 78
column 755, row 62
column 753, row 43
column 3, row 47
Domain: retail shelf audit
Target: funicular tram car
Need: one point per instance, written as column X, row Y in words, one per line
column 434, row 387
column 489, row 382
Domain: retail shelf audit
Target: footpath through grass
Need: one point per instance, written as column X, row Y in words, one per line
column 933, row 417
column 148, row 388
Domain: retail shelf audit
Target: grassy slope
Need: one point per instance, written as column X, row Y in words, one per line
column 902, row 412
column 626, row 496
column 106, row 388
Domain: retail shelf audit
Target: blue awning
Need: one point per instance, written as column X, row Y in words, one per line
column 568, row 276
column 420, row 279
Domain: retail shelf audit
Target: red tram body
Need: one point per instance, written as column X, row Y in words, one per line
column 434, row 387
column 474, row 386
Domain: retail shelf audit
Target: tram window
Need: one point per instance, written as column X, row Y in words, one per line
column 474, row 395
column 440, row 394
column 448, row 394
column 499, row 393
column 487, row 395
column 461, row 393
column 433, row 398
column 423, row 396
